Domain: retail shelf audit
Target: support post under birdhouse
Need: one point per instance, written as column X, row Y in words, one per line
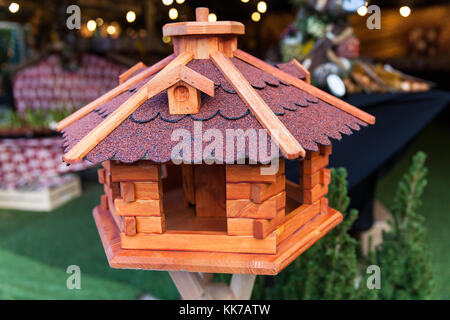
column 199, row 286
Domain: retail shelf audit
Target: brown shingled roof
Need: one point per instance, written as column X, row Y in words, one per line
column 306, row 113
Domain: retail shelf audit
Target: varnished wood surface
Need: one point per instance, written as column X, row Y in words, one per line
column 212, row 262
column 276, row 129
column 183, row 218
column 210, row 190
column 203, row 28
column 200, row 241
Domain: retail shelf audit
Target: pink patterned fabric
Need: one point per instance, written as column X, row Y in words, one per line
column 33, row 163
column 47, row 86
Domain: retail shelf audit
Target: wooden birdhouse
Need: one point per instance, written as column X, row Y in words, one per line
column 169, row 206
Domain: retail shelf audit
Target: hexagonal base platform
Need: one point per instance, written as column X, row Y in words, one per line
column 267, row 264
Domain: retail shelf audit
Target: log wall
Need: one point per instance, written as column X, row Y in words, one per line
column 255, row 206
column 133, row 195
column 253, row 198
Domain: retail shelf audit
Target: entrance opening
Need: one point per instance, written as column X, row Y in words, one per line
column 194, row 198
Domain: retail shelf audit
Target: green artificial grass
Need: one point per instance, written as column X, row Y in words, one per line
column 25, row 278
column 436, row 199
column 37, row 248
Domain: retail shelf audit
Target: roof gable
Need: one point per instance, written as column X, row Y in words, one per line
column 184, row 74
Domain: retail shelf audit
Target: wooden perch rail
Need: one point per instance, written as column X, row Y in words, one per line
column 100, row 132
column 344, row 106
column 113, row 93
column 278, row 132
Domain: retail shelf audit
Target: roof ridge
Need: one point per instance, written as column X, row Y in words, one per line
column 196, row 80
column 263, row 113
column 302, row 85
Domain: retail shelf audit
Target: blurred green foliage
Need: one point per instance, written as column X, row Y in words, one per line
column 35, row 120
column 404, row 251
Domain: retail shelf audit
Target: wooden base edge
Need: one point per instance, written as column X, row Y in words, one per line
column 212, row 262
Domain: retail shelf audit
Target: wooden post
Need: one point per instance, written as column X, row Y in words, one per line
column 199, row 286
column 242, row 285
column 189, row 285
column 201, row 14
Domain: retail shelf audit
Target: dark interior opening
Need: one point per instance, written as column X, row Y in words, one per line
column 194, row 198
column 293, row 175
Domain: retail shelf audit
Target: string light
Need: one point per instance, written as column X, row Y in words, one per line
column 99, row 21
column 14, row 7
column 405, row 11
column 131, row 16
column 262, row 6
column 167, row 2
column 245, row 1
column 91, row 25
column 256, row 16
column 111, row 30
column 180, row 1
column 362, row 11
column 212, row 17
column 166, row 39
column 173, row 13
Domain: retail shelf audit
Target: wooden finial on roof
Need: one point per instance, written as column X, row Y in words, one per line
column 202, row 37
column 201, row 14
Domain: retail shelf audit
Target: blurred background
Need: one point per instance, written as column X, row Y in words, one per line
column 393, row 63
